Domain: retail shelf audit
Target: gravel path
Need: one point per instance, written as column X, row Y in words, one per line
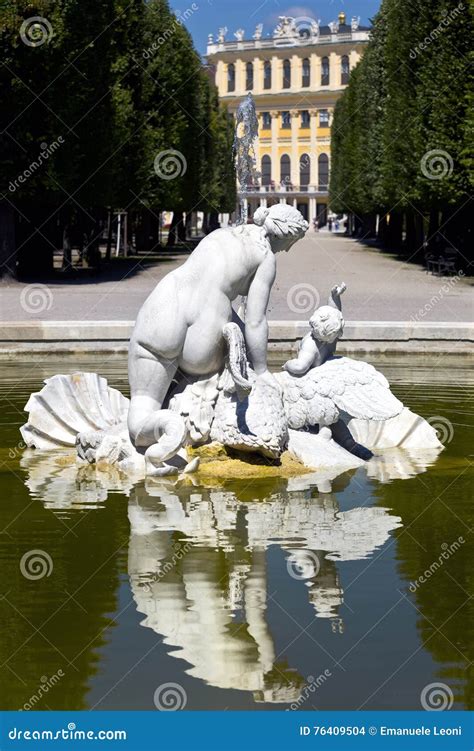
column 379, row 288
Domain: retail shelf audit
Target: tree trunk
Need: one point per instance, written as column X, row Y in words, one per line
column 7, row 240
column 176, row 228
column 67, row 249
column 108, row 249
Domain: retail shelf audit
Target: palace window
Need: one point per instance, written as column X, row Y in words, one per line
column 285, row 170
column 323, row 172
column 266, row 121
column 306, row 72
column 305, row 165
column 231, row 77
column 266, row 171
column 345, row 70
column 323, row 119
column 304, row 119
column 325, row 71
column 286, row 74
column 249, row 76
column 267, row 75
column 285, row 119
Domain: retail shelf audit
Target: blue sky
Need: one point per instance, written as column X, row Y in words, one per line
column 235, row 14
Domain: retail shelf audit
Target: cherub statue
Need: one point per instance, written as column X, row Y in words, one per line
column 179, row 331
column 319, row 344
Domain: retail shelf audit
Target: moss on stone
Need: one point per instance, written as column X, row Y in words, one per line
column 221, row 463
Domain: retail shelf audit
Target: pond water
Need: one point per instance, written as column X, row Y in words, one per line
column 262, row 595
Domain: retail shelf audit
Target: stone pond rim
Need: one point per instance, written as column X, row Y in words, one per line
column 95, row 337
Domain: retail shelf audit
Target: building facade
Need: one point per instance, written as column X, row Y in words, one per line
column 295, row 75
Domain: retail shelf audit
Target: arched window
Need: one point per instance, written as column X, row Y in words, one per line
column 323, row 172
column 305, row 164
column 286, row 74
column 285, row 170
column 231, row 77
column 249, row 76
column 345, row 70
column 325, row 71
column 266, row 170
column 306, row 72
column 267, row 74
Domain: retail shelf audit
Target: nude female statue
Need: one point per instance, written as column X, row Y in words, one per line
column 180, row 325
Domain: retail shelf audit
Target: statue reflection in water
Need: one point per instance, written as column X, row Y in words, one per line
column 197, row 558
column 198, row 572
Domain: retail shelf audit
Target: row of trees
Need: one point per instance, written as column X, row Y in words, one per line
column 105, row 105
column 402, row 132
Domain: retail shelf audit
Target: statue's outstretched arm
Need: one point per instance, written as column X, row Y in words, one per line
column 256, row 326
column 334, row 299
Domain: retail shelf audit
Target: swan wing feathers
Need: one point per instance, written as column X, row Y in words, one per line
column 305, row 404
column 356, row 388
column 340, row 384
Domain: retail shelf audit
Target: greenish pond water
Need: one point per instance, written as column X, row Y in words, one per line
column 260, row 595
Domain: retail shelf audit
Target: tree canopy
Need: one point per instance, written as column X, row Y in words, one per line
column 105, row 105
column 402, row 131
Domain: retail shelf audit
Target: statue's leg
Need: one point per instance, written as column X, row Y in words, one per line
column 159, row 431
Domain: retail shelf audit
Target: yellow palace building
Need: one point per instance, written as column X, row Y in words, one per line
column 296, row 75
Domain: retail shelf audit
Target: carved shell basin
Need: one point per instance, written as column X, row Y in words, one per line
column 72, row 404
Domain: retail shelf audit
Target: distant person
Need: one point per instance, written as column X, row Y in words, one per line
column 330, row 225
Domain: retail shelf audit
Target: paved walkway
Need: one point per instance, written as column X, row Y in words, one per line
column 379, row 288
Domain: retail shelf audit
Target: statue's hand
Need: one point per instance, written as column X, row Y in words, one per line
column 338, row 289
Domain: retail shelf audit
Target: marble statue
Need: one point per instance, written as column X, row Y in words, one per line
column 198, row 370
column 179, row 332
column 239, row 35
column 258, row 31
column 286, row 27
column 201, row 376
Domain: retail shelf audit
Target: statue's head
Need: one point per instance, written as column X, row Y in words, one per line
column 327, row 324
column 283, row 224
